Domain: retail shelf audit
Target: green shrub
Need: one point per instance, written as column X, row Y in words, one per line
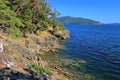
column 8, row 18
column 15, row 32
column 39, row 69
column 20, row 18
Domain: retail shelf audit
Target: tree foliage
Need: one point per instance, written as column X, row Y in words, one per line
column 26, row 16
column 8, row 18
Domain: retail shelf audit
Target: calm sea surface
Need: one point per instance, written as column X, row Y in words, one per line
column 92, row 52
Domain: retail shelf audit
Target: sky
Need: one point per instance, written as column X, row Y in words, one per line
column 105, row 11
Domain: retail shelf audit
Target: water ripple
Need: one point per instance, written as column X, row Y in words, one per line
column 99, row 46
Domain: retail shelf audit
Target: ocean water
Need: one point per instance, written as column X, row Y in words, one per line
column 92, row 52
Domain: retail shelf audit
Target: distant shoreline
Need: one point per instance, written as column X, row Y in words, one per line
column 76, row 20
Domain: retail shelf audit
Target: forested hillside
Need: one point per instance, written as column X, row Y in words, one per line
column 76, row 20
column 19, row 17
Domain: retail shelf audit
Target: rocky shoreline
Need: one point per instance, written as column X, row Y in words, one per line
column 24, row 51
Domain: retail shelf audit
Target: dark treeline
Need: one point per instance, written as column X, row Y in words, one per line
column 76, row 20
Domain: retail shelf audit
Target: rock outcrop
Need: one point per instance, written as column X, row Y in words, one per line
column 24, row 51
column 62, row 34
column 11, row 74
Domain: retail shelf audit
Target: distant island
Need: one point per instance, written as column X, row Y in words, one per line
column 75, row 20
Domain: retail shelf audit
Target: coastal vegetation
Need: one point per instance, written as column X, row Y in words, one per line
column 76, row 20
column 19, row 17
column 28, row 29
column 40, row 69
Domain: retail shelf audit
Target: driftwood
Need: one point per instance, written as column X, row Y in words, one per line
column 63, row 72
column 59, row 70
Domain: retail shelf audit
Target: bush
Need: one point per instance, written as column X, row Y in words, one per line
column 39, row 69
column 8, row 18
column 15, row 32
column 20, row 18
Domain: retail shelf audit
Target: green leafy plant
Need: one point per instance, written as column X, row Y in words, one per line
column 40, row 69
column 21, row 17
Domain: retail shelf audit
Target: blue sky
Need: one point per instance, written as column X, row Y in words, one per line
column 106, row 11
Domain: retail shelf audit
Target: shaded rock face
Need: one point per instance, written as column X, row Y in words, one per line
column 3, row 29
column 63, row 35
column 6, row 73
column 10, row 74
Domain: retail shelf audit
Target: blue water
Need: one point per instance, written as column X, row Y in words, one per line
column 98, row 46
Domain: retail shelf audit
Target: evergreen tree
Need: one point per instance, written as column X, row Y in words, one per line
column 26, row 16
